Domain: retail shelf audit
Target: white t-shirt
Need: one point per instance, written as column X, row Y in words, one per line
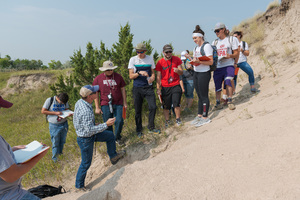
column 242, row 57
column 208, row 50
column 225, row 47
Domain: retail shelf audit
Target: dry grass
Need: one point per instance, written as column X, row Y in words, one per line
column 273, row 4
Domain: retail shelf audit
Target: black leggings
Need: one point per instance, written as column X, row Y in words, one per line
column 201, row 84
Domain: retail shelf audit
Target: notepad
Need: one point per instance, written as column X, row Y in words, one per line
column 32, row 149
column 66, row 113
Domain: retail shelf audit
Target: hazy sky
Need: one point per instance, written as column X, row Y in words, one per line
column 54, row 29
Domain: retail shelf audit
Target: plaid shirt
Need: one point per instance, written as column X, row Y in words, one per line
column 84, row 120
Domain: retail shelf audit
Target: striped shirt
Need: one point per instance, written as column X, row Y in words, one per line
column 84, row 120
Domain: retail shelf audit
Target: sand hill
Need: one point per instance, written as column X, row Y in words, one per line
column 251, row 153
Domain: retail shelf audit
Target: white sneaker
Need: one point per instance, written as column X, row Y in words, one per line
column 202, row 122
column 196, row 120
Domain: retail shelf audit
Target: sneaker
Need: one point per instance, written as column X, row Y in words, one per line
column 119, row 155
column 178, row 122
column 167, row 123
column 139, row 134
column 231, row 106
column 202, row 122
column 82, row 189
column 120, row 142
column 154, row 131
column 253, row 90
column 225, row 102
column 196, row 120
column 218, row 106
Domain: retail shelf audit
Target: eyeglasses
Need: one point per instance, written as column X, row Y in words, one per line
column 93, row 93
column 109, row 70
column 168, row 51
column 140, row 52
column 217, row 31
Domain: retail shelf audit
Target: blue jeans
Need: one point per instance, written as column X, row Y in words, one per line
column 29, row 196
column 117, row 112
column 189, row 89
column 58, row 133
column 86, row 145
column 248, row 70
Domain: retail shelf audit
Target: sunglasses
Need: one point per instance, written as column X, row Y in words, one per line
column 217, row 31
column 168, row 52
column 140, row 52
column 109, row 70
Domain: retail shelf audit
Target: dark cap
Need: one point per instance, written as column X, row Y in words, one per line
column 167, row 47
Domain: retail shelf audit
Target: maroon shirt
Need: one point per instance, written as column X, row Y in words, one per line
column 110, row 84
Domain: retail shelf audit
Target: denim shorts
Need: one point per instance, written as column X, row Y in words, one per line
column 189, row 89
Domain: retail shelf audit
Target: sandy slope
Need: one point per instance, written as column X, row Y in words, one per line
column 251, row 153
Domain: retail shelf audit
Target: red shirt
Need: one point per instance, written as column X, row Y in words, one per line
column 168, row 77
column 110, row 84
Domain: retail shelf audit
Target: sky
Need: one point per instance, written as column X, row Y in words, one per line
column 54, row 29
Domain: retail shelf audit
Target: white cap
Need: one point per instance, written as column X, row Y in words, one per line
column 183, row 55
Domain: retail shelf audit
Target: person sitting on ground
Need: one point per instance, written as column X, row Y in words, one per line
column 242, row 62
column 168, row 71
column 187, row 80
column 11, row 172
column 112, row 97
column 58, row 127
column 89, row 132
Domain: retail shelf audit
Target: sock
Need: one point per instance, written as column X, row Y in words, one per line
column 224, row 96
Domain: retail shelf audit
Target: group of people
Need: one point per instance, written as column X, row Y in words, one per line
column 174, row 76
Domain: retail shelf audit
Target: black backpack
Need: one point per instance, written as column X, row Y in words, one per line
column 51, row 101
column 43, row 191
column 213, row 67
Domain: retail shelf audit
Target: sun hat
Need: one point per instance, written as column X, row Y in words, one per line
column 141, row 46
column 107, row 65
column 167, row 47
column 219, row 25
column 88, row 89
column 4, row 103
column 183, row 55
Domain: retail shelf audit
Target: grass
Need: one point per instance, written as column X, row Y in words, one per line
column 273, row 4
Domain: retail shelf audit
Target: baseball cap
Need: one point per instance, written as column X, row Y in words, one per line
column 4, row 103
column 167, row 47
column 88, row 89
column 141, row 46
column 219, row 25
column 183, row 55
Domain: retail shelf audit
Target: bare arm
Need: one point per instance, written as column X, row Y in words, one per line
column 97, row 105
column 123, row 91
column 133, row 75
column 158, row 82
column 47, row 112
column 245, row 52
column 15, row 171
column 178, row 70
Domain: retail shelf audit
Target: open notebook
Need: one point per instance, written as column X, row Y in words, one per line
column 66, row 113
column 32, row 149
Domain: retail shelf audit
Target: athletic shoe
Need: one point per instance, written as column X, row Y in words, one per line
column 253, row 90
column 119, row 155
column 196, row 120
column 218, row 107
column 139, row 134
column 178, row 122
column 120, row 142
column 225, row 102
column 231, row 106
column 202, row 122
column 167, row 123
column 154, row 131
column 82, row 189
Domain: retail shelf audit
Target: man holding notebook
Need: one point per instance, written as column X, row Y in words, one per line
column 10, row 171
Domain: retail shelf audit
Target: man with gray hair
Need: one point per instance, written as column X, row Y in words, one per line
column 89, row 132
column 141, row 70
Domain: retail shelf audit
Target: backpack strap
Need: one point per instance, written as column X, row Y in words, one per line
column 215, row 42
column 51, row 102
column 202, row 48
column 244, row 45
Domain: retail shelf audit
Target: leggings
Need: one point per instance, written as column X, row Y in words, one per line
column 201, row 84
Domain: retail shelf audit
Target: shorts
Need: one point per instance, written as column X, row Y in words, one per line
column 171, row 95
column 225, row 74
column 189, row 89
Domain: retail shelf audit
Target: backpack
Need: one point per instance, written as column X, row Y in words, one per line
column 213, row 67
column 51, row 101
column 244, row 45
column 43, row 191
